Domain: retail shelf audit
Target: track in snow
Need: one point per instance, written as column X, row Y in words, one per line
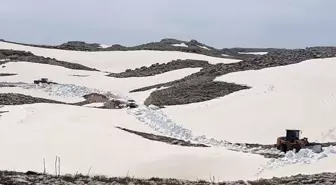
column 155, row 118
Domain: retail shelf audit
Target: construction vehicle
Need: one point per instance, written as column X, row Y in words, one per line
column 44, row 81
column 292, row 141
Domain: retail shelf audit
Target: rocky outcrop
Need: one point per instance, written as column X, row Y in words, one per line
column 92, row 98
column 79, row 46
column 7, row 74
column 157, row 68
column 15, row 56
column 186, row 93
column 21, row 99
column 163, row 45
column 168, row 140
column 29, row 178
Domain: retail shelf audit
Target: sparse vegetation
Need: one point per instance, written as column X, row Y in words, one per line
column 28, row 178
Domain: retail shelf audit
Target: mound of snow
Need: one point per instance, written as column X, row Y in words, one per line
column 94, row 105
column 303, row 162
column 254, row 53
column 180, row 45
column 104, row 46
column 204, row 47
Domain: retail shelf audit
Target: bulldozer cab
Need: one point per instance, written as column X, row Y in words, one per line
column 292, row 135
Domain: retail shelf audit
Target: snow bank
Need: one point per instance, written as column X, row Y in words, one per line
column 180, row 45
column 104, row 46
column 254, row 53
column 94, row 105
column 85, row 137
column 298, row 96
column 304, row 162
column 204, row 47
column 115, row 61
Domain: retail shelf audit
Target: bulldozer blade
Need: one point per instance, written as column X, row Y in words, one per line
column 317, row 148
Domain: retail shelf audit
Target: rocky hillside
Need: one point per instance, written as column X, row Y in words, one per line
column 167, row 44
column 15, row 56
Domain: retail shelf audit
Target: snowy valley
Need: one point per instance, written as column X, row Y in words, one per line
column 180, row 110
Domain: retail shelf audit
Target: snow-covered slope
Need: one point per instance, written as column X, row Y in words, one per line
column 96, row 80
column 86, row 138
column 298, row 96
column 115, row 61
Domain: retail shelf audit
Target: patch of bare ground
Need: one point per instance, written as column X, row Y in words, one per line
column 21, row 99
column 165, row 139
column 157, row 68
column 189, row 92
column 32, row 178
column 92, row 98
column 7, row 74
column 15, row 56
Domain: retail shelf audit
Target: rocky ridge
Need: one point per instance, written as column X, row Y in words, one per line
column 167, row 44
column 157, row 68
column 21, row 99
column 7, row 74
column 16, row 56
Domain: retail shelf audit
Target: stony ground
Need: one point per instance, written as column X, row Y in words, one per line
column 169, row 140
column 15, row 56
column 32, row 178
column 7, row 74
column 157, row 68
column 21, row 99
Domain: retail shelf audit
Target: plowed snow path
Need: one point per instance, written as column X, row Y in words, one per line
column 86, row 138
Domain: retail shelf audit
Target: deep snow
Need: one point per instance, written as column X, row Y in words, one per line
column 299, row 96
column 86, row 137
column 296, row 96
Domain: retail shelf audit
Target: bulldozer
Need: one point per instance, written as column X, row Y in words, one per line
column 292, row 141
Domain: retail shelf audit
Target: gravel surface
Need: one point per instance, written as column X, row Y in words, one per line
column 157, row 68
column 186, row 93
column 168, row 140
column 33, row 178
column 15, row 56
column 7, row 74
column 21, row 99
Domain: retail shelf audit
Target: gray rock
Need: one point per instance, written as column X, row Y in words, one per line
column 16, row 56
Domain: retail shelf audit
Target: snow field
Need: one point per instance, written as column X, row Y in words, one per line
column 291, row 97
column 299, row 96
column 180, row 45
column 94, row 80
column 85, row 137
column 115, row 61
